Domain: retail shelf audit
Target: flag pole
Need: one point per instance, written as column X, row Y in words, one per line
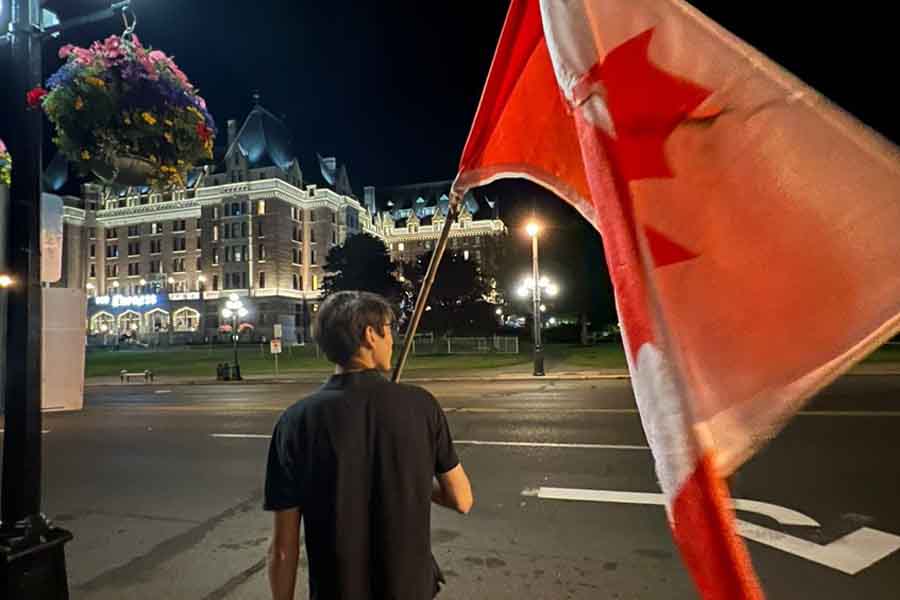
column 430, row 275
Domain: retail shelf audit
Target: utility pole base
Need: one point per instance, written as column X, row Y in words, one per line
column 33, row 562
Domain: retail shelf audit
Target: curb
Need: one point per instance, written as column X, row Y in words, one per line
column 440, row 379
column 437, row 379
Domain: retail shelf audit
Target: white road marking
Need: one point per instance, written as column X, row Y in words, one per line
column 552, row 445
column 783, row 515
column 251, row 436
column 43, row 431
column 163, row 392
column 634, row 411
column 850, row 554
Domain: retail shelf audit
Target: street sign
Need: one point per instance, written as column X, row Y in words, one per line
column 277, row 331
column 275, row 346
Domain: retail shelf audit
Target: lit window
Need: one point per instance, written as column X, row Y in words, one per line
column 261, row 207
column 401, row 247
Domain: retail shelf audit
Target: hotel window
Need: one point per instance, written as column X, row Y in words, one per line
column 178, row 265
column 155, row 266
column 259, row 230
column 312, row 235
column 155, row 246
column 134, row 269
column 112, row 251
column 179, row 244
column 262, row 252
column 92, row 233
column 315, row 283
column 112, row 270
column 261, row 207
column 334, row 237
column 401, row 247
column 334, row 217
column 215, row 212
column 92, row 271
column 296, row 281
column 112, row 233
column 215, row 283
column 297, row 235
column 237, row 255
column 134, row 249
column 198, row 265
column 215, row 256
column 296, row 256
column 215, row 233
column 243, row 229
column 134, row 230
column 179, row 225
column 262, row 279
column 312, row 256
column 235, row 229
column 92, row 251
column 156, row 228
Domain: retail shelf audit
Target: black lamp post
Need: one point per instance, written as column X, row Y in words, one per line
column 32, row 559
column 234, row 310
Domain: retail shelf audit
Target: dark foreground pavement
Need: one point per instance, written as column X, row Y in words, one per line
column 162, row 488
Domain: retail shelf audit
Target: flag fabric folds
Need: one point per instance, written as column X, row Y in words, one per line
column 749, row 228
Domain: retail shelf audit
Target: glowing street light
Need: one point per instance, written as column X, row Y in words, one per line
column 235, row 310
column 5, row 281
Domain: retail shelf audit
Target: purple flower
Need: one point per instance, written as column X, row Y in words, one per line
column 63, row 76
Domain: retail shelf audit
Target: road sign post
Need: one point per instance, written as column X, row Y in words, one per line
column 275, row 349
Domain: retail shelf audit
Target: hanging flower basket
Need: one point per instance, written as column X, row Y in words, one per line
column 126, row 114
column 5, row 165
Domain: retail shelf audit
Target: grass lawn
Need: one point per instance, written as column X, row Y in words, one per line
column 201, row 361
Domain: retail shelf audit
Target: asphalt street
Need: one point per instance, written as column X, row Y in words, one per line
column 162, row 488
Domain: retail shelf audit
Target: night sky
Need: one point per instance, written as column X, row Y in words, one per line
column 391, row 88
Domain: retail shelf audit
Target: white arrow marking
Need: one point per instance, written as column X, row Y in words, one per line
column 252, row 436
column 850, row 554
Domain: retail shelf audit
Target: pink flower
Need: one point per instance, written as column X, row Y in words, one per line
column 66, row 50
column 2, row 147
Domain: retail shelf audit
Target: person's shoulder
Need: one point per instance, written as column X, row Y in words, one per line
column 406, row 390
column 301, row 408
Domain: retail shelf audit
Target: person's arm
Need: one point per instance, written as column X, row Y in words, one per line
column 453, row 490
column 284, row 554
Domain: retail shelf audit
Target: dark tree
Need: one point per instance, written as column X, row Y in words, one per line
column 362, row 263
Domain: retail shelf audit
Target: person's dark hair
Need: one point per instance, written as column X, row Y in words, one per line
column 341, row 322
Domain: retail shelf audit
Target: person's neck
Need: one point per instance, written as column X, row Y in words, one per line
column 354, row 366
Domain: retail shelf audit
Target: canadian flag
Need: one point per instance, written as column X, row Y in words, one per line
column 750, row 229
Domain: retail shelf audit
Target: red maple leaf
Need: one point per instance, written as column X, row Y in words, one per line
column 646, row 104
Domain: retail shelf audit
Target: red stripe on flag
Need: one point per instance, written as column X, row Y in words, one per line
column 703, row 528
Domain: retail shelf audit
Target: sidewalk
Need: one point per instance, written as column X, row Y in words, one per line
column 516, row 373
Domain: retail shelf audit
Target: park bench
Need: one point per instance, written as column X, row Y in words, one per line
column 127, row 376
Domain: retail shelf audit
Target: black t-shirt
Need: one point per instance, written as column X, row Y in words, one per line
column 357, row 458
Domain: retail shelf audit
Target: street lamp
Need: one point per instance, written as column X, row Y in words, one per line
column 534, row 229
column 234, row 310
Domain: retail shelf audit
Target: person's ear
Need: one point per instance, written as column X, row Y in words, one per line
column 369, row 337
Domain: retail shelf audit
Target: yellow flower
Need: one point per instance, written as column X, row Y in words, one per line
column 79, row 103
column 148, row 118
column 180, row 163
column 169, row 123
column 85, row 155
column 95, row 81
column 196, row 113
column 126, row 119
column 169, row 137
column 153, row 158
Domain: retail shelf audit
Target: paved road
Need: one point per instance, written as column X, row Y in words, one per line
column 161, row 486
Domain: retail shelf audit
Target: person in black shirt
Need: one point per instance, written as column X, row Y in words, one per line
column 360, row 461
